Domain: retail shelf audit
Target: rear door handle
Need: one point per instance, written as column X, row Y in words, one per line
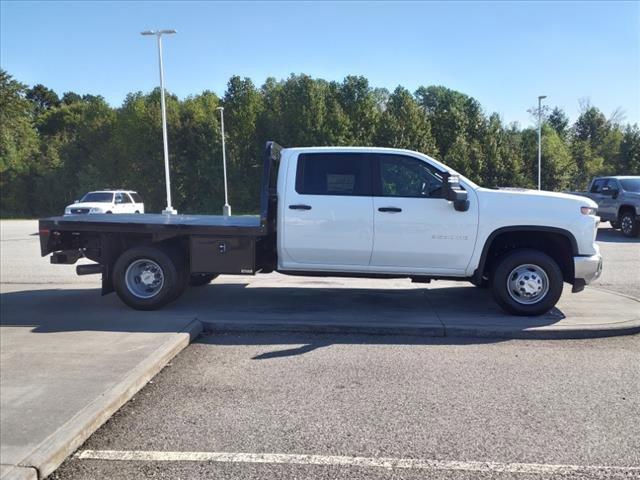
column 390, row 209
column 300, row 207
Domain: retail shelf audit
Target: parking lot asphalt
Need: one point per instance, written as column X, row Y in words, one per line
column 539, row 402
column 437, row 408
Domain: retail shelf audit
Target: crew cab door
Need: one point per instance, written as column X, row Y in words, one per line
column 123, row 203
column 328, row 212
column 416, row 230
column 608, row 204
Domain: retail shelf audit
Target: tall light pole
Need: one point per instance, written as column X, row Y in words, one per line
column 158, row 33
column 226, row 209
column 540, row 140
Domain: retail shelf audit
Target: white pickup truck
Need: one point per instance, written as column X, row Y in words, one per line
column 349, row 211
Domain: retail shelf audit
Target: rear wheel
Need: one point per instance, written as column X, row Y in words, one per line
column 200, row 279
column 147, row 278
column 629, row 225
column 527, row 282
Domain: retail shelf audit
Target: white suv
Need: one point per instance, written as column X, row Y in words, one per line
column 107, row 201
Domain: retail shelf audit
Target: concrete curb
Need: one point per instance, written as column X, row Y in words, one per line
column 459, row 331
column 47, row 456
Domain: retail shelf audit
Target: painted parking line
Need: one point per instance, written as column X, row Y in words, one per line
column 334, row 460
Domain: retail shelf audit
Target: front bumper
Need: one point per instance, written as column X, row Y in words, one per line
column 587, row 269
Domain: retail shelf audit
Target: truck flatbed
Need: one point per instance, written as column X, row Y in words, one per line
column 238, row 225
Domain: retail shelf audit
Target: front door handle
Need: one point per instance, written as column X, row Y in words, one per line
column 390, row 209
column 300, row 207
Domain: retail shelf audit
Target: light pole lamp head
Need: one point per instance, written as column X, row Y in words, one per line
column 541, row 97
column 220, row 108
column 158, row 32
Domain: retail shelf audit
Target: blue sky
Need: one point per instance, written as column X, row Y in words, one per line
column 502, row 53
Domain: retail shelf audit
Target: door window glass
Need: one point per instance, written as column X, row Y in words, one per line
column 126, row 198
column 334, row 174
column 408, row 177
column 597, row 185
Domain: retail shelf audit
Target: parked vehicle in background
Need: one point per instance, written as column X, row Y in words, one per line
column 618, row 199
column 107, row 201
column 348, row 211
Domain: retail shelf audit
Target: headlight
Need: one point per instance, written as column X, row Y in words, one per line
column 588, row 210
column 95, row 210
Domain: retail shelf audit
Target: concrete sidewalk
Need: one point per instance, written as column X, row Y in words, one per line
column 341, row 305
column 67, row 367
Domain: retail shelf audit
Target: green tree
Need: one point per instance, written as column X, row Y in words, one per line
column 559, row 121
column 18, row 145
column 42, row 97
column 404, row 125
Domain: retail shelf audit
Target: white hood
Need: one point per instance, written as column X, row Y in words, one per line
column 101, row 205
column 540, row 194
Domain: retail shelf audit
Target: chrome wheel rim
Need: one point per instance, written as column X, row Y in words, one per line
column 527, row 284
column 144, row 278
column 627, row 224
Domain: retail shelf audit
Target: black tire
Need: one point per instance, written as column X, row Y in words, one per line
column 201, row 279
column 506, row 268
column 629, row 226
column 137, row 211
column 173, row 279
column 109, row 212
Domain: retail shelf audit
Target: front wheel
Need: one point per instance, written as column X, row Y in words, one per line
column 527, row 282
column 629, row 225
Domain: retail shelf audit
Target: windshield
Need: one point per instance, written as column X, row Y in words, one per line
column 103, row 197
column 630, row 184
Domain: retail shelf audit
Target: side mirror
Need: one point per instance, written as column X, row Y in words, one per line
column 452, row 192
column 76, row 201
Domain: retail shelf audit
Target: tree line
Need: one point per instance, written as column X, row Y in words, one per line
column 55, row 148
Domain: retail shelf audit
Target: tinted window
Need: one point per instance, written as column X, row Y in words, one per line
column 630, row 184
column 102, row 197
column 597, row 185
column 408, row 177
column 126, row 198
column 136, row 198
column 334, row 174
column 612, row 184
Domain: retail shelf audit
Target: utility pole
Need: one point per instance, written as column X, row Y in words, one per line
column 226, row 209
column 540, row 98
column 169, row 210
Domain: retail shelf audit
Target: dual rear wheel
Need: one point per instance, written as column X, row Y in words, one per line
column 149, row 277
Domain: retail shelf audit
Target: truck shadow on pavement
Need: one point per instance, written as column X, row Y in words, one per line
column 614, row 236
column 242, row 307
